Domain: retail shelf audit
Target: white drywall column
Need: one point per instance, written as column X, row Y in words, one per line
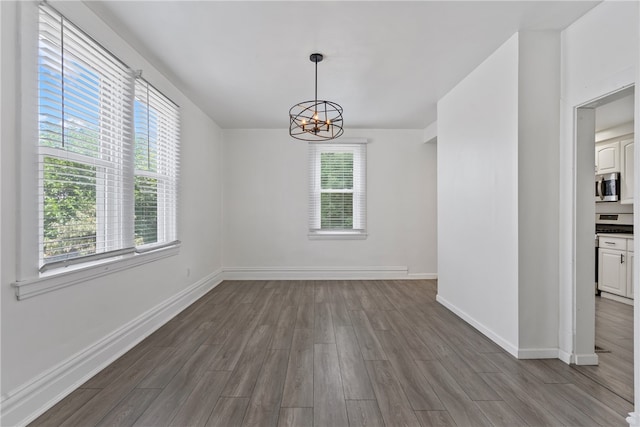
column 478, row 197
column 2, row 64
column 538, row 139
column 498, row 133
column 584, row 352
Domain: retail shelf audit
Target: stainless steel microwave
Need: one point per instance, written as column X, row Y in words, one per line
column 608, row 187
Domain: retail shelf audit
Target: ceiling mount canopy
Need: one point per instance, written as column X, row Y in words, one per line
column 316, row 120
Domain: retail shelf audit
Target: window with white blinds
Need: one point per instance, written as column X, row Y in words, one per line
column 157, row 133
column 337, row 189
column 88, row 151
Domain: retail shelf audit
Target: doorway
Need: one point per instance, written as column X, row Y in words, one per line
column 604, row 324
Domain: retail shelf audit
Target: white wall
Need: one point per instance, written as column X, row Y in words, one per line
column 538, row 139
column 599, row 56
column 266, row 207
column 40, row 333
column 634, row 419
column 478, row 197
column 498, row 140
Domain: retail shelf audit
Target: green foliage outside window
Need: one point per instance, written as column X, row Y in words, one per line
column 69, row 209
column 336, row 207
column 146, row 210
column 336, row 211
column 70, row 203
column 146, row 188
column 146, row 154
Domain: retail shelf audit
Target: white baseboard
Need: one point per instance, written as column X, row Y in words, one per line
column 323, row 273
column 538, row 353
column 27, row 402
column 634, row 419
column 520, row 353
column 617, row 298
column 565, row 357
column 422, row 276
column 588, row 359
column 506, row 345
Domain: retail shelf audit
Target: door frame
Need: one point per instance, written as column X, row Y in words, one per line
column 583, row 312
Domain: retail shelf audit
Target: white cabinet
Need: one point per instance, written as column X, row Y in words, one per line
column 615, row 266
column 616, row 155
column 607, row 157
column 612, row 271
column 626, row 171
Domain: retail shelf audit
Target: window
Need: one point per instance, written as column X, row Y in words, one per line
column 156, row 167
column 337, row 193
column 107, row 152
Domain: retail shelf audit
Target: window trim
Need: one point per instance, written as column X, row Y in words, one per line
column 337, row 235
column 63, row 277
column 314, row 181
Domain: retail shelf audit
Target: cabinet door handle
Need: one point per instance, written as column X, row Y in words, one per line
column 609, row 243
column 621, row 258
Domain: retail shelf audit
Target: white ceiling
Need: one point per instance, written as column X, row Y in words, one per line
column 615, row 113
column 387, row 63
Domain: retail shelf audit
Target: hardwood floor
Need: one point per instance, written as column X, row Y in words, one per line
column 614, row 337
column 333, row 353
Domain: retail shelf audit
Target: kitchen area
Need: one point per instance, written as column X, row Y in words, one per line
column 614, row 217
column 614, row 238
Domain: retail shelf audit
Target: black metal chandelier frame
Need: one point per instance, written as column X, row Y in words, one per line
column 316, row 120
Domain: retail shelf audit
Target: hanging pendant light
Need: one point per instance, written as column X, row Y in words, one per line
column 315, row 120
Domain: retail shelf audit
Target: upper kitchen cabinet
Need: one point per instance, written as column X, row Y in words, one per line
column 626, row 171
column 616, row 155
column 607, row 157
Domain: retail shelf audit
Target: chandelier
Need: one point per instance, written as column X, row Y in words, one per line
column 315, row 120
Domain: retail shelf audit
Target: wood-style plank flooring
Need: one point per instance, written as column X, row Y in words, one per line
column 614, row 337
column 330, row 353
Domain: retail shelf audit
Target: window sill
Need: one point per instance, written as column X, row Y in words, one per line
column 73, row 275
column 337, row 235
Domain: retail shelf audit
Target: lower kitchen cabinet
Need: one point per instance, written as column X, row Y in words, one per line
column 612, row 271
column 615, row 266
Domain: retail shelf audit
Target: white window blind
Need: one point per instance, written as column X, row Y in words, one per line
column 89, row 194
column 157, row 161
column 337, row 189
